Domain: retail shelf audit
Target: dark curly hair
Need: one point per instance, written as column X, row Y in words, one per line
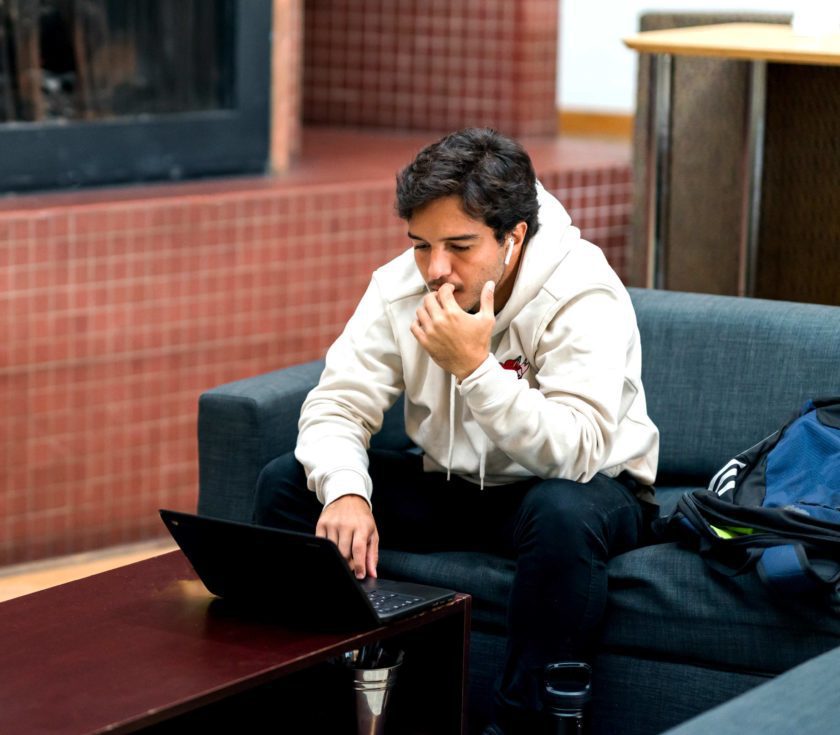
column 491, row 173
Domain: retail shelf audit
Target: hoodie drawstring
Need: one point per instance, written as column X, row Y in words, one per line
column 482, row 440
column 482, row 460
column 451, row 426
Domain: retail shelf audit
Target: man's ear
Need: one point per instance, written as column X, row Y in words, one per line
column 518, row 233
column 514, row 239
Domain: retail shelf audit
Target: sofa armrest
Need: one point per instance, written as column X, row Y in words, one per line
column 804, row 700
column 241, row 427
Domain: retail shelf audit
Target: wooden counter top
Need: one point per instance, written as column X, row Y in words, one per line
column 748, row 41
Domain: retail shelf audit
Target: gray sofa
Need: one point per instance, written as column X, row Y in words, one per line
column 720, row 373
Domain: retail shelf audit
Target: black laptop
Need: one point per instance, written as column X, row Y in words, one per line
column 295, row 578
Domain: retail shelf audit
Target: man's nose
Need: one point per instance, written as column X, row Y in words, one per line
column 439, row 265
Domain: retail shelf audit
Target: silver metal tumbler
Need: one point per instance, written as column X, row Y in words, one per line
column 373, row 683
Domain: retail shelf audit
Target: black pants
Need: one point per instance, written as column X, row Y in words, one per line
column 561, row 534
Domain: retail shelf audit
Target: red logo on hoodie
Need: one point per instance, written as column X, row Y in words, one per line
column 519, row 365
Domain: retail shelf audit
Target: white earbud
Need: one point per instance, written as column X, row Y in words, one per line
column 509, row 251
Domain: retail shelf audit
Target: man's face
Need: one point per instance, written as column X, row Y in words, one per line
column 452, row 247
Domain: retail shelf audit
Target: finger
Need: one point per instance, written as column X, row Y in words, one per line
column 344, row 543
column 447, row 289
column 373, row 554
column 359, row 554
column 423, row 318
column 446, row 296
column 326, row 530
column 418, row 333
column 431, row 304
column 487, row 293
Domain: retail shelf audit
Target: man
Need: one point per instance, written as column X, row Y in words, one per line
column 517, row 349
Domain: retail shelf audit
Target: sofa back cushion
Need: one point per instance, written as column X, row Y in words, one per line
column 720, row 372
column 298, row 380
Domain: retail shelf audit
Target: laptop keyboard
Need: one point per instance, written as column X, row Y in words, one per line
column 387, row 602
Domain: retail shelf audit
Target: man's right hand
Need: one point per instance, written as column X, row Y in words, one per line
column 348, row 522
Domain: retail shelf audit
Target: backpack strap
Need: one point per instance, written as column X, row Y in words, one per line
column 788, row 570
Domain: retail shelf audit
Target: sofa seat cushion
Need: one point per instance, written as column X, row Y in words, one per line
column 485, row 577
column 666, row 602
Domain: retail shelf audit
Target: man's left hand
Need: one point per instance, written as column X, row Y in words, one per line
column 457, row 341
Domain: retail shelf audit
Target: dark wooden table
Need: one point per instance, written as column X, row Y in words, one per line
column 146, row 647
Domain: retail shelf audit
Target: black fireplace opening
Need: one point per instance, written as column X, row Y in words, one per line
column 96, row 92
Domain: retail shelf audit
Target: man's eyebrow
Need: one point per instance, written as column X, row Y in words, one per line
column 453, row 238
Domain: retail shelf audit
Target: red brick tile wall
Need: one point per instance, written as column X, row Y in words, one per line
column 599, row 201
column 432, row 64
column 114, row 316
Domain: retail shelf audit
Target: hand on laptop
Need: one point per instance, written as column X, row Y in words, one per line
column 348, row 522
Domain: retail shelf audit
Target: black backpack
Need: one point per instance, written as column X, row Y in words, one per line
column 774, row 507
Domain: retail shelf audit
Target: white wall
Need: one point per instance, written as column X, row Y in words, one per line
column 597, row 72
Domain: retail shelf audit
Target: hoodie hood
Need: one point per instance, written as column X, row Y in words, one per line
column 542, row 255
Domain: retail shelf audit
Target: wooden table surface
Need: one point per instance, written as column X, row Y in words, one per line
column 749, row 41
column 143, row 643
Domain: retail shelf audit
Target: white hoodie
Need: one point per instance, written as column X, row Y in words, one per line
column 569, row 405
